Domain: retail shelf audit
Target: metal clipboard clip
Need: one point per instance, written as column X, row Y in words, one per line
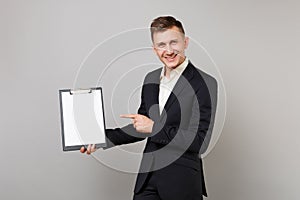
column 81, row 91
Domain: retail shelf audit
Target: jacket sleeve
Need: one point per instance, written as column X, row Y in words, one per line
column 126, row 134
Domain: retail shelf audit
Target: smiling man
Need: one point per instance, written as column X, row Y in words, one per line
column 176, row 115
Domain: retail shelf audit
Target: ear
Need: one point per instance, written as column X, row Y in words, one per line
column 186, row 42
column 154, row 50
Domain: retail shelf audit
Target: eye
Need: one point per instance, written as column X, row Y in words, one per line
column 161, row 45
column 174, row 42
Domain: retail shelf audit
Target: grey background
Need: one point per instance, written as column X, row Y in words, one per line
column 254, row 43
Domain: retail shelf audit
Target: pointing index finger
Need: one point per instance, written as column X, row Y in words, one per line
column 131, row 116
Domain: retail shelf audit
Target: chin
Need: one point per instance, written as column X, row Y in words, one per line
column 171, row 65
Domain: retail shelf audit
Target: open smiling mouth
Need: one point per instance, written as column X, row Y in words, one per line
column 171, row 58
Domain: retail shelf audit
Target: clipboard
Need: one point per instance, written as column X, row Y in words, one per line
column 82, row 118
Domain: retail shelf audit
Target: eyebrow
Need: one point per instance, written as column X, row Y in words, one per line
column 173, row 40
column 160, row 43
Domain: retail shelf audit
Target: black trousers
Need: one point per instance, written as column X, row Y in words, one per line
column 174, row 182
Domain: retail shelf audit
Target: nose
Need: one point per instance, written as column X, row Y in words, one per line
column 169, row 49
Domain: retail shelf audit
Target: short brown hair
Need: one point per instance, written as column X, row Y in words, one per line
column 165, row 22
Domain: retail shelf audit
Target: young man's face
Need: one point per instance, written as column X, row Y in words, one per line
column 169, row 45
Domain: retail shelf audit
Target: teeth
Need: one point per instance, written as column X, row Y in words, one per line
column 172, row 57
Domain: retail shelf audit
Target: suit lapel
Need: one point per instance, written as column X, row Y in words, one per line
column 154, row 109
column 152, row 93
column 182, row 82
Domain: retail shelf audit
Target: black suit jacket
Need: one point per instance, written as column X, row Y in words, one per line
column 181, row 132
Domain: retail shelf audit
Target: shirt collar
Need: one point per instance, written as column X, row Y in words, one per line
column 177, row 71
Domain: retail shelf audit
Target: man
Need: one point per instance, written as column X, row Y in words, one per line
column 176, row 116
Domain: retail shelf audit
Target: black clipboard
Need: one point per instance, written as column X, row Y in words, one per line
column 82, row 118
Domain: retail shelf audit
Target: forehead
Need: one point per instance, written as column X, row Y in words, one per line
column 167, row 35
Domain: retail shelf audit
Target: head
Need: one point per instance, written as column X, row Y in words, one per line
column 169, row 40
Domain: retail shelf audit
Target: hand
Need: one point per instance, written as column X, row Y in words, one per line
column 141, row 123
column 90, row 149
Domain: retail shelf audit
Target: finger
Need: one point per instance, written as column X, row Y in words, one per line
column 93, row 149
column 131, row 116
column 137, row 124
column 82, row 149
column 89, row 149
column 139, row 129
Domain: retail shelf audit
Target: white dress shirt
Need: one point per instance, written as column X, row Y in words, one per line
column 167, row 84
